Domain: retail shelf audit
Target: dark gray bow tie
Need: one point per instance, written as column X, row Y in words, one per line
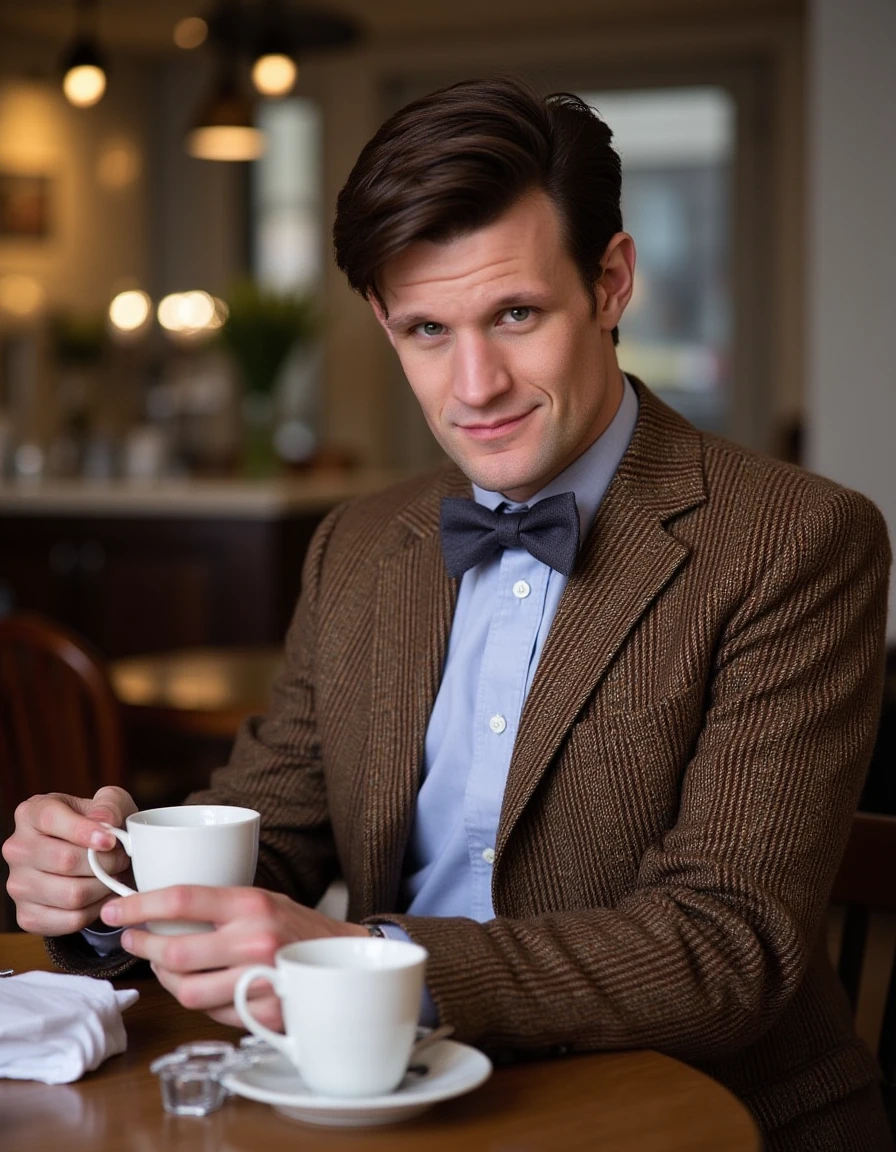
column 471, row 533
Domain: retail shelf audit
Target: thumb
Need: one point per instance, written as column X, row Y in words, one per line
column 111, row 805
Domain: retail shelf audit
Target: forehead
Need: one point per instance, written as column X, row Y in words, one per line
column 522, row 250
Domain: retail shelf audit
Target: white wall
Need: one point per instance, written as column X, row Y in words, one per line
column 851, row 266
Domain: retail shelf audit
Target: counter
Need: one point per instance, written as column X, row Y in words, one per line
column 309, row 494
column 145, row 567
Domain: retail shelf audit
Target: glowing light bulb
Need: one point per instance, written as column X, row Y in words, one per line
column 84, row 85
column 274, row 74
column 129, row 310
column 189, row 313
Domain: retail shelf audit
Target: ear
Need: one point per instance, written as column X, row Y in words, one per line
column 381, row 317
column 614, row 287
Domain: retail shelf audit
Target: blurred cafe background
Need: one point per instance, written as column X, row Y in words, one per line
column 187, row 385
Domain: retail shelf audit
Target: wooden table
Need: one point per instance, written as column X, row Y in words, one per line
column 610, row 1102
column 198, row 691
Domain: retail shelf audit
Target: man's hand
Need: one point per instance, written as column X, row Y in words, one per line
column 201, row 969
column 50, row 881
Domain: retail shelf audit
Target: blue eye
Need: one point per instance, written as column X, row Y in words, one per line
column 518, row 315
column 431, row 328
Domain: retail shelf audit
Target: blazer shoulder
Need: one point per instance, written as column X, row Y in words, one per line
column 387, row 518
column 745, row 483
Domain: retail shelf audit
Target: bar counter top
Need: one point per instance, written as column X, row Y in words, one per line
column 240, row 499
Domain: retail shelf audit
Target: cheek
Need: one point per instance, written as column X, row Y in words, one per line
column 427, row 396
column 428, row 378
column 576, row 377
column 550, row 360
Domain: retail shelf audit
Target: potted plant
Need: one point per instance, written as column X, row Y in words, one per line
column 261, row 329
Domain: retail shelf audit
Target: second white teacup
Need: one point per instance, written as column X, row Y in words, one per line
column 209, row 844
column 350, row 1009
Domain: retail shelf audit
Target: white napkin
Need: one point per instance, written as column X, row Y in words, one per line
column 55, row 1027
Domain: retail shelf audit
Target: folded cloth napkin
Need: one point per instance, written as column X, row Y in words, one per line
column 55, row 1027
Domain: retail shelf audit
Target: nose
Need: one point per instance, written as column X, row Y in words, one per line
column 480, row 373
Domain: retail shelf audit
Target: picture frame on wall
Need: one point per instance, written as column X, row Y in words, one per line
column 25, row 205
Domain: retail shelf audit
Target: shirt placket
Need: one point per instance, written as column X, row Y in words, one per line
column 509, row 646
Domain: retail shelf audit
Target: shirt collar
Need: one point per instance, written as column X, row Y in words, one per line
column 589, row 475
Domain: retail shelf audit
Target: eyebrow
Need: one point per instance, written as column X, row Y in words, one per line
column 405, row 321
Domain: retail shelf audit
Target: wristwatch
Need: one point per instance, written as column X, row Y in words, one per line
column 375, row 930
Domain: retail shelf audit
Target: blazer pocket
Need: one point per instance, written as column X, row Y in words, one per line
column 636, row 759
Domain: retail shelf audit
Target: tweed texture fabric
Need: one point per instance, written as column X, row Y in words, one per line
column 681, row 788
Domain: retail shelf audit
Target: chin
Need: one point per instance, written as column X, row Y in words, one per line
column 495, row 475
column 505, row 483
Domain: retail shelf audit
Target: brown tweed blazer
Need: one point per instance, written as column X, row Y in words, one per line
column 687, row 763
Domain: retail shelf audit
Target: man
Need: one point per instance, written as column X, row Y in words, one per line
column 606, row 785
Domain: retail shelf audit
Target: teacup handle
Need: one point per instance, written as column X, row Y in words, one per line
column 240, row 1002
column 100, row 872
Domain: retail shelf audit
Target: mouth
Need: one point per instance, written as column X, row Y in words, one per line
column 496, row 429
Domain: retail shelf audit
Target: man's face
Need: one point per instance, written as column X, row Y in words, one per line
column 515, row 372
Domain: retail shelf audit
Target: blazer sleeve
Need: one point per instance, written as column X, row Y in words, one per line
column 710, row 944
column 276, row 764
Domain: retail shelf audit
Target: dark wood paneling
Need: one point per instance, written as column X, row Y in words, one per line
column 148, row 584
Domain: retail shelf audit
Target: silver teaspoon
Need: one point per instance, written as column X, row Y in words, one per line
column 433, row 1037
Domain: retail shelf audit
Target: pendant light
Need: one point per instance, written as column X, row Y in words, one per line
column 224, row 128
column 271, row 36
column 274, row 70
column 83, row 68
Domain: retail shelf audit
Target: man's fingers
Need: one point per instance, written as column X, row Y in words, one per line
column 65, row 894
column 212, row 992
column 190, row 902
column 58, row 816
column 266, row 1011
column 45, row 921
column 110, row 806
column 206, row 991
column 117, row 798
column 32, row 849
column 225, row 948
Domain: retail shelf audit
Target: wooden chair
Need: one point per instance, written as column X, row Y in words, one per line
column 60, row 721
column 866, row 885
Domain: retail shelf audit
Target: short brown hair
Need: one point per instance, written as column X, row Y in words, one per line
column 457, row 159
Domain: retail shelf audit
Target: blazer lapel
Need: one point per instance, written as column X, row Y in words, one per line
column 627, row 560
column 414, row 606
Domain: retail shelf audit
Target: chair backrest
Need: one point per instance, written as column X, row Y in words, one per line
column 865, row 885
column 60, row 722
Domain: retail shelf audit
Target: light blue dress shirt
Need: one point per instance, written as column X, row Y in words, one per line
column 505, row 607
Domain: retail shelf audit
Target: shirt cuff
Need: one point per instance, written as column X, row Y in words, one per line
column 429, row 1016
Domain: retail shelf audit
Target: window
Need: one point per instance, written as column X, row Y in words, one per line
column 286, row 209
column 288, row 250
column 677, row 151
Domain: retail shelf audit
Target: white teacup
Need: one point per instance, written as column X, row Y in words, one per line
column 350, row 1009
column 208, row 844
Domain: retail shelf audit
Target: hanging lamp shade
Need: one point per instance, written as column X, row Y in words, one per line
column 224, row 128
column 246, row 31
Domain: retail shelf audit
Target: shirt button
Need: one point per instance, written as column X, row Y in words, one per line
column 489, row 855
column 521, row 589
column 497, row 724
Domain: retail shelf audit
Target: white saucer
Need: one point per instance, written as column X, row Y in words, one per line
column 453, row 1069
